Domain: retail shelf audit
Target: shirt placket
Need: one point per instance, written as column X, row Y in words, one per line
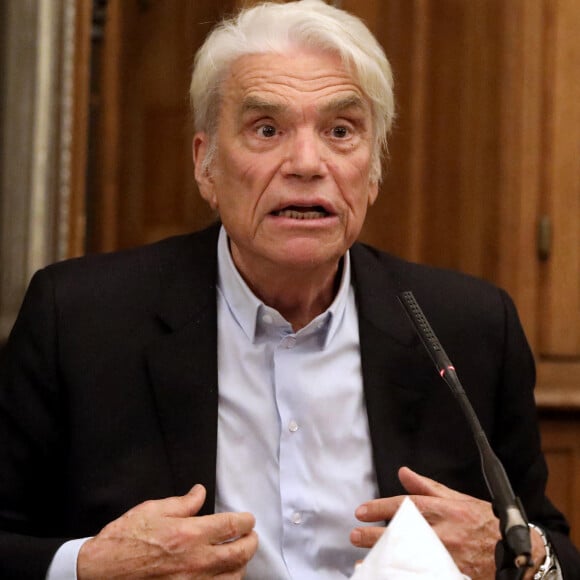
column 294, row 472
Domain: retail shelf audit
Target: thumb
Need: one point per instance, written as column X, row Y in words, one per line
column 416, row 484
column 186, row 505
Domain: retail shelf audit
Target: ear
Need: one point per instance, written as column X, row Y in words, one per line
column 373, row 192
column 200, row 148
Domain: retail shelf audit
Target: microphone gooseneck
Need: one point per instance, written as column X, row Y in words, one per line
column 507, row 507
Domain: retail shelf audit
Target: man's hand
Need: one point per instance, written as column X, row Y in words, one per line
column 161, row 539
column 465, row 525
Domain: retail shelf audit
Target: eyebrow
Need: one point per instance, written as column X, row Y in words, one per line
column 342, row 103
column 253, row 103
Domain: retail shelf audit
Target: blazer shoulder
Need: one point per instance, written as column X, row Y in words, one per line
column 138, row 271
column 442, row 293
column 183, row 247
column 403, row 271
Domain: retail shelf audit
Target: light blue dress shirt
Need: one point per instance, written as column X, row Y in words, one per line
column 293, row 436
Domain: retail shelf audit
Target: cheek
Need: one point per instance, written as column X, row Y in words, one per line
column 357, row 190
column 253, row 177
column 238, row 169
column 364, row 190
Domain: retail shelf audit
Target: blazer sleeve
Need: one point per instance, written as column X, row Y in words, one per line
column 518, row 445
column 32, row 434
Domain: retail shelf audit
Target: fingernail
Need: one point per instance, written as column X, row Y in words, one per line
column 356, row 537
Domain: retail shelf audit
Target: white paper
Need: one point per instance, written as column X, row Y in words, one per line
column 408, row 549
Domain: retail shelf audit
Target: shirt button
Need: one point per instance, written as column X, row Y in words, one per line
column 267, row 319
column 296, row 518
column 288, row 341
column 293, row 426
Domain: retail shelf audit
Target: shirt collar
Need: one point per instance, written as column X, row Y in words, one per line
column 251, row 313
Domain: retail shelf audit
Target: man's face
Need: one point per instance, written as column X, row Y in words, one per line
column 290, row 177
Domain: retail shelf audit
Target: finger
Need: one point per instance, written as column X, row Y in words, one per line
column 186, row 505
column 227, row 526
column 379, row 510
column 366, row 536
column 235, row 555
column 417, row 484
column 236, row 575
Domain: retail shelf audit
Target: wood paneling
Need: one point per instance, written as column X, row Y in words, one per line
column 560, row 333
column 394, row 223
column 561, row 444
column 519, row 191
column 146, row 187
column 80, row 124
column 445, row 145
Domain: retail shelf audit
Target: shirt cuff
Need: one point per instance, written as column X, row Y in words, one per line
column 64, row 563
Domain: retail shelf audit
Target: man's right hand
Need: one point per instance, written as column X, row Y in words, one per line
column 160, row 538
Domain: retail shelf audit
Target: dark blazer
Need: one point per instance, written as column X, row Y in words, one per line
column 108, row 391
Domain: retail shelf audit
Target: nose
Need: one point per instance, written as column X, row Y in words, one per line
column 304, row 156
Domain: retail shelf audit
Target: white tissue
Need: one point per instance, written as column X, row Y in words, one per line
column 408, row 549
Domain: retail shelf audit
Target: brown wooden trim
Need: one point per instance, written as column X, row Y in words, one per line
column 80, row 123
column 558, row 385
column 109, row 129
column 417, row 106
column 561, row 446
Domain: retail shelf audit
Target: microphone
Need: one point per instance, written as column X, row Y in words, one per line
column 507, row 507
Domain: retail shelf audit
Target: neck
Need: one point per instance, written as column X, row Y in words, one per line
column 298, row 295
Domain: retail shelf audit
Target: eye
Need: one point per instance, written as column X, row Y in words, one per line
column 340, row 132
column 266, row 131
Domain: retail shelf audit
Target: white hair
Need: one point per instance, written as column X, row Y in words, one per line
column 279, row 28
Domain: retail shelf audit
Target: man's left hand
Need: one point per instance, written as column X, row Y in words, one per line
column 465, row 525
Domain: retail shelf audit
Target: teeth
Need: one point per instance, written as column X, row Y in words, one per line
column 301, row 215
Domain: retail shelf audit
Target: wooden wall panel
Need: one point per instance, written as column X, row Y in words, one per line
column 444, row 166
column 520, row 122
column 157, row 177
column 561, row 445
column 394, row 222
column 560, row 334
column 142, row 165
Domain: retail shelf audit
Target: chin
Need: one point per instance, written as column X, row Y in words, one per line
column 305, row 258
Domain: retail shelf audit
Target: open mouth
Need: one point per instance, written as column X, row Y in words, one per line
column 302, row 213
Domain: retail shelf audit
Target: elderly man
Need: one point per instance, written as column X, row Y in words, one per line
column 241, row 402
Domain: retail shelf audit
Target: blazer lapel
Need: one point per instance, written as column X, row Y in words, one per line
column 393, row 368
column 183, row 366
